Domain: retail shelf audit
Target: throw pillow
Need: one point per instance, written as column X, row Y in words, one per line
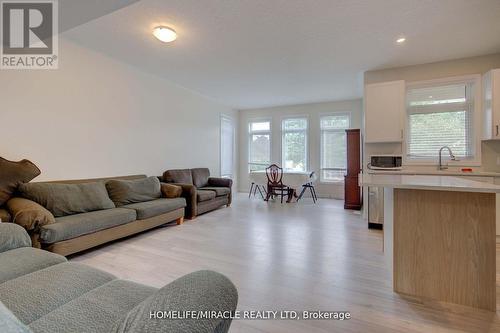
column 5, row 215
column 170, row 191
column 124, row 192
column 13, row 174
column 29, row 214
column 68, row 199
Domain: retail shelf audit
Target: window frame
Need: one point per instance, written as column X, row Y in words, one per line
column 233, row 138
column 476, row 119
column 321, row 155
column 282, row 132
column 249, row 138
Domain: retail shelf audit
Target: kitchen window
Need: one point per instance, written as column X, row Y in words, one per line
column 334, row 146
column 441, row 115
column 259, row 145
column 294, row 144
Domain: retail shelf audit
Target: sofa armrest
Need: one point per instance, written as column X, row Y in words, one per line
column 220, row 182
column 28, row 214
column 189, row 193
column 199, row 291
column 13, row 236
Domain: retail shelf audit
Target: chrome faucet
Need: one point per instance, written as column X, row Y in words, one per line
column 453, row 158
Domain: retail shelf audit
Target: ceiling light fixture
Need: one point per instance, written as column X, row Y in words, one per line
column 400, row 40
column 165, row 34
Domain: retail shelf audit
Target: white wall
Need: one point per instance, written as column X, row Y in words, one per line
column 96, row 117
column 276, row 114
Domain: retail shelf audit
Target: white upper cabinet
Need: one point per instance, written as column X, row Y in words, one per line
column 491, row 105
column 384, row 111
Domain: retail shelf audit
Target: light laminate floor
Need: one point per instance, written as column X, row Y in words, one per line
column 288, row 257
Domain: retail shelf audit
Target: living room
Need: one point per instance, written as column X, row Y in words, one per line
column 249, row 166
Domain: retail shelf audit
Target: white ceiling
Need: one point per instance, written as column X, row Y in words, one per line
column 257, row 53
column 73, row 13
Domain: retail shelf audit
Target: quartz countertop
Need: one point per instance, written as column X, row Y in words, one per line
column 435, row 172
column 427, row 182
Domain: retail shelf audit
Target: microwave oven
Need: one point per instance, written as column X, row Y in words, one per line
column 385, row 162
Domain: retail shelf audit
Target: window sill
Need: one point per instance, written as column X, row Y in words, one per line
column 335, row 182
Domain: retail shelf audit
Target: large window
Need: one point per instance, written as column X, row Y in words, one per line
column 333, row 146
column 294, row 144
column 440, row 115
column 259, row 149
column 226, row 147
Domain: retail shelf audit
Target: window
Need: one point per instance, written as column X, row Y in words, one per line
column 259, row 149
column 333, row 146
column 440, row 116
column 294, row 144
column 226, row 147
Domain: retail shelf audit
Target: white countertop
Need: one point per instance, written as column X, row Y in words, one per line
column 435, row 172
column 427, row 182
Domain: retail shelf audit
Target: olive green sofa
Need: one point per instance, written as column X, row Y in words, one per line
column 70, row 216
column 43, row 292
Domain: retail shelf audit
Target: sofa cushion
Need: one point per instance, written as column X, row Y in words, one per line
column 124, row 192
column 72, row 226
column 204, row 195
column 5, row 215
column 95, row 311
column 24, row 260
column 34, row 295
column 13, row 174
column 200, row 177
column 9, row 323
column 219, row 191
column 170, row 190
column 68, row 199
column 29, row 214
column 181, row 176
column 156, row 207
column 13, row 236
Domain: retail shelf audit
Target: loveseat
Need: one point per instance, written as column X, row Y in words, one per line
column 202, row 192
column 43, row 292
column 66, row 217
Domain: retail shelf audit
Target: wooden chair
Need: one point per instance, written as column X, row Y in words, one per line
column 311, row 188
column 275, row 185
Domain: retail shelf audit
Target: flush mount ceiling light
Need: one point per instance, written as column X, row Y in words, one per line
column 165, row 34
column 400, row 40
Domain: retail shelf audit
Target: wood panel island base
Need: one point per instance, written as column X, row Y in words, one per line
column 439, row 237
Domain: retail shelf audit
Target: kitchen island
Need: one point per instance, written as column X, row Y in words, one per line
column 439, row 237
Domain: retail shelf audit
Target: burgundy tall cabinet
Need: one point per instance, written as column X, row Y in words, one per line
column 352, row 191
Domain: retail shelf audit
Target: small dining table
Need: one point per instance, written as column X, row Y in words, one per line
column 292, row 179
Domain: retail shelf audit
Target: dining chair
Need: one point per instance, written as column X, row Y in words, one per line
column 275, row 185
column 311, row 188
